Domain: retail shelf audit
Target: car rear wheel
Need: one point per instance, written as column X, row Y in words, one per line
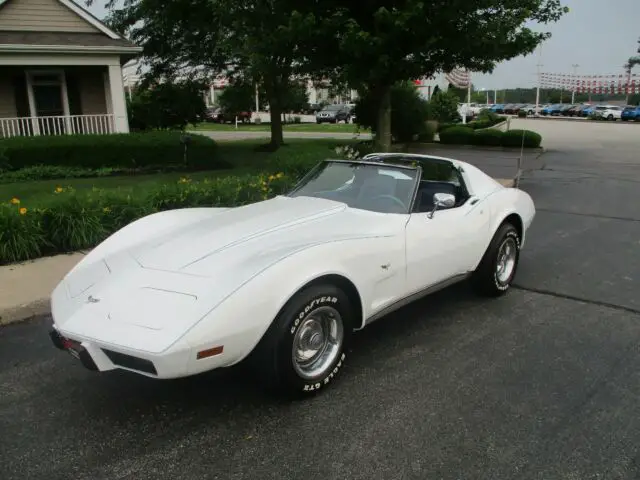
column 305, row 347
column 498, row 266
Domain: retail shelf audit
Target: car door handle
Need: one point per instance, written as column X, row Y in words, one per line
column 474, row 200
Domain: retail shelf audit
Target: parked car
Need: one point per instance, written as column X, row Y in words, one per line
column 497, row 108
column 282, row 284
column 590, row 110
column 609, row 112
column 218, row 115
column 510, row 109
column 564, row 111
column 630, row 113
column 334, row 113
column 552, row 110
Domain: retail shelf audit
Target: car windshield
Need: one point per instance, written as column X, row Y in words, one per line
column 377, row 188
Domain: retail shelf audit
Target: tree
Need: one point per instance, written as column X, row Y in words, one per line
column 252, row 39
column 166, row 106
column 240, row 96
column 409, row 117
column 376, row 44
column 296, row 97
column 444, row 106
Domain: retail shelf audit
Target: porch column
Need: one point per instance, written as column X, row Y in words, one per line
column 118, row 102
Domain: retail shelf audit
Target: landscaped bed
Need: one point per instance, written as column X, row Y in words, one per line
column 45, row 217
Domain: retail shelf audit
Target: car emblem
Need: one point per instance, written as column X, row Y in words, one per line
column 92, row 299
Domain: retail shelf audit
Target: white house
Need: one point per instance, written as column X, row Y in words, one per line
column 60, row 70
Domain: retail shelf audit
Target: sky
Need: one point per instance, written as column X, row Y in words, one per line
column 598, row 35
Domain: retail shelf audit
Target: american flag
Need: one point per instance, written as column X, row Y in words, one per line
column 458, row 77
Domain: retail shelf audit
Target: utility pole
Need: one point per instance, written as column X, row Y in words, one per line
column 574, row 83
column 539, row 80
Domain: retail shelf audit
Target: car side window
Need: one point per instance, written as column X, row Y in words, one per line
column 438, row 178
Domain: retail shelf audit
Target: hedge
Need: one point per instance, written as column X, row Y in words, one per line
column 514, row 138
column 75, row 221
column 491, row 136
column 124, row 150
column 457, row 135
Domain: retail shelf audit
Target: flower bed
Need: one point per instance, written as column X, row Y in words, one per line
column 75, row 221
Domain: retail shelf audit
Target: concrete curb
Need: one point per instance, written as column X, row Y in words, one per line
column 471, row 147
column 29, row 285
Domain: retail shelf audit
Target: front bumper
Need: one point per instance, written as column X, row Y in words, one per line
column 99, row 357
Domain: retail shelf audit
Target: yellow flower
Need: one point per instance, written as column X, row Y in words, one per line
column 106, row 209
column 60, row 189
column 272, row 178
column 15, row 201
column 280, row 175
column 23, row 211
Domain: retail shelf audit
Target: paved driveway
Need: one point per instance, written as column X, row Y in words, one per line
column 540, row 384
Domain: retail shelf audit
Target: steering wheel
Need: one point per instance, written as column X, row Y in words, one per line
column 395, row 199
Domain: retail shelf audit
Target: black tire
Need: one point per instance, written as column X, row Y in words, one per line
column 485, row 279
column 273, row 358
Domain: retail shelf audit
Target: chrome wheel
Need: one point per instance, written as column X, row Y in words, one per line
column 506, row 260
column 317, row 342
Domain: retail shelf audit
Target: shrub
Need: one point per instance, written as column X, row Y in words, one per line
column 522, row 114
column 444, row 106
column 514, row 138
column 81, row 220
column 409, row 112
column 444, row 126
column 489, row 136
column 457, row 135
column 166, row 105
column 125, row 150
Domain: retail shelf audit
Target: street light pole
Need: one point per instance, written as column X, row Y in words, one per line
column 539, row 80
column 573, row 84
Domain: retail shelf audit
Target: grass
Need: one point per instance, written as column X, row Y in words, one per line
column 241, row 154
column 292, row 127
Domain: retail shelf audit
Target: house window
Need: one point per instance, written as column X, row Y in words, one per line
column 47, row 94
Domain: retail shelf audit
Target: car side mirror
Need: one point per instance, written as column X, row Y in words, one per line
column 442, row 200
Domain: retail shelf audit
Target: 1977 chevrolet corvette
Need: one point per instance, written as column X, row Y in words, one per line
column 283, row 283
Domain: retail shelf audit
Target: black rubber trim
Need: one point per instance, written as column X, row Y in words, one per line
column 128, row 361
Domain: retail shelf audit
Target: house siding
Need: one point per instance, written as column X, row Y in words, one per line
column 7, row 97
column 92, row 94
column 41, row 16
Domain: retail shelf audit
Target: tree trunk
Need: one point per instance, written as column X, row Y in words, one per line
column 275, row 114
column 383, row 130
column 273, row 89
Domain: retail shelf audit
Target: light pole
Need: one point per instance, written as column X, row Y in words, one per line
column 538, row 87
column 574, row 82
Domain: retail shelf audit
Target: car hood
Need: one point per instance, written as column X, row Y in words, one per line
column 252, row 231
column 166, row 283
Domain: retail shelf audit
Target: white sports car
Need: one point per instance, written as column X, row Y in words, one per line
column 283, row 283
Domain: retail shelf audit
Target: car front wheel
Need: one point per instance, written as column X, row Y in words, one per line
column 305, row 347
column 498, row 266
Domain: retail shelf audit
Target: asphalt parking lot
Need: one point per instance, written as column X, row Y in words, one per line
column 540, row 384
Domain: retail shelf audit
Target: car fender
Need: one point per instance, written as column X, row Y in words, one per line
column 502, row 203
column 243, row 317
column 508, row 201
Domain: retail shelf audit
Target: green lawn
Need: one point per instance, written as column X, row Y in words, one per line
column 293, row 127
column 241, row 154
